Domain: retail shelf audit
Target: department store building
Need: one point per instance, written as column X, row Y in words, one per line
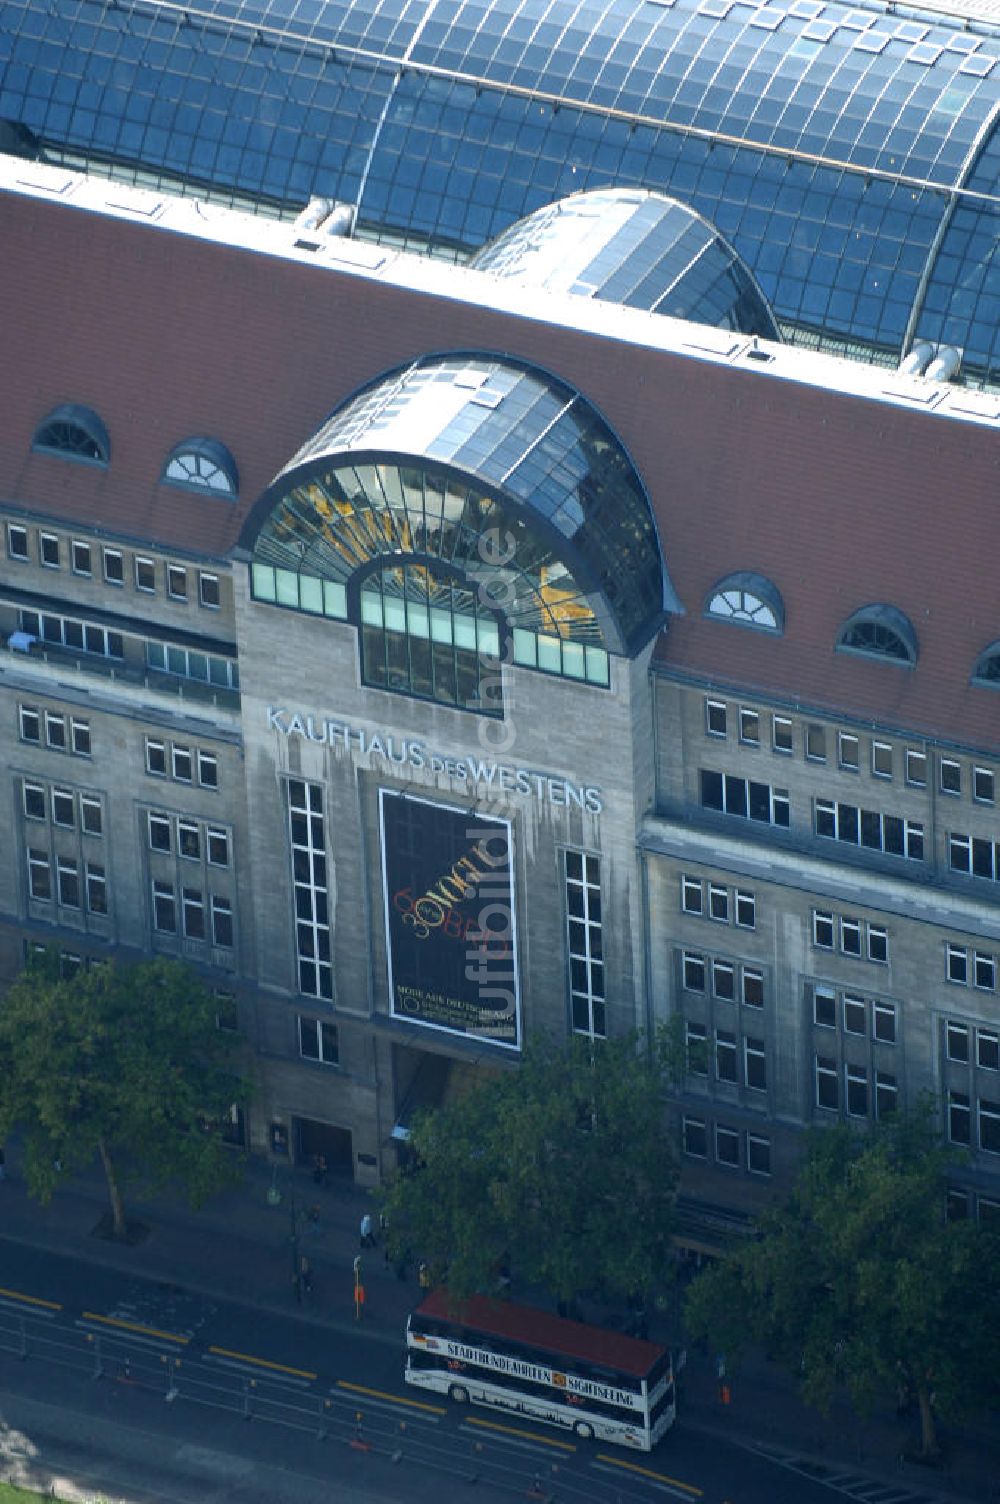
column 495, row 542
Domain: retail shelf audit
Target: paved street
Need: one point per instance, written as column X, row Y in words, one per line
column 183, row 1369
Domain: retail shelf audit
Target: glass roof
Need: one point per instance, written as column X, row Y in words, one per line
column 492, row 468
column 641, row 249
column 849, row 155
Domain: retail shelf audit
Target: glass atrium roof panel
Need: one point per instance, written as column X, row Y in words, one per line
column 428, row 460
column 637, row 248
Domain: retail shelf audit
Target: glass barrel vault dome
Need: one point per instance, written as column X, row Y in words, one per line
column 492, row 471
column 641, row 249
column 848, row 152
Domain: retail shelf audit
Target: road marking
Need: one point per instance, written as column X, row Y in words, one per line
column 31, row 1300
column 132, row 1326
column 647, row 1472
column 492, row 1425
column 298, row 1373
column 395, row 1399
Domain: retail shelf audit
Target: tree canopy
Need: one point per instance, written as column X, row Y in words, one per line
column 557, row 1170
column 858, row 1280
column 121, row 1061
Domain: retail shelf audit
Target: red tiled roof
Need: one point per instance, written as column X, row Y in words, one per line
column 841, row 501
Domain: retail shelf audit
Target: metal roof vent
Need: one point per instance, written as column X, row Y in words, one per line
column 916, row 363
column 945, row 365
column 321, row 219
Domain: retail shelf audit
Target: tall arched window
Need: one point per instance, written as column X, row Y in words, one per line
column 748, row 599
column 74, row 433
column 879, row 632
column 202, row 465
column 425, row 632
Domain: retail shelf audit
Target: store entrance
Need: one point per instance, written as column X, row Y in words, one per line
column 336, row 1145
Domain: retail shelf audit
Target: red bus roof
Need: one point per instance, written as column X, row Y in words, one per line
column 540, row 1329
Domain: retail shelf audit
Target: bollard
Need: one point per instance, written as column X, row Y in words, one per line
column 323, row 1411
column 173, row 1364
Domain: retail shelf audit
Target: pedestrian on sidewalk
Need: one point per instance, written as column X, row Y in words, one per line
column 306, row 1276
column 367, row 1231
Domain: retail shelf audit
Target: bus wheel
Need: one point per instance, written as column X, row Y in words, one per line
column 582, row 1430
column 458, row 1394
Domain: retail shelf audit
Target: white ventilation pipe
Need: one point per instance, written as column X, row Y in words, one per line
column 945, row 364
column 918, row 359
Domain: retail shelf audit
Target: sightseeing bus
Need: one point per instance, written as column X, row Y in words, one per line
column 593, row 1382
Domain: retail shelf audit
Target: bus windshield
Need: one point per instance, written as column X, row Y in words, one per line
column 566, row 1373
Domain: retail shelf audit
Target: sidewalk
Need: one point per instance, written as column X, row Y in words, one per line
column 239, row 1247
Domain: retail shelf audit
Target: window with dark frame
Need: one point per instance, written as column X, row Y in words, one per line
column 318, row 1040
column 81, row 559
column 715, row 717
column 585, row 943
column 17, row 543
column 114, row 566
column 48, row 551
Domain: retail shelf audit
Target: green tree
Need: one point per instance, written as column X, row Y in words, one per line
column 122, row 1061
column 557, row 1169
column 858, row 1280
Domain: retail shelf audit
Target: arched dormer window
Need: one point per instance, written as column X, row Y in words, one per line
column 74, row 433
column 987, row 669
column 879, row 632
column 748, row 599
column 202, row 465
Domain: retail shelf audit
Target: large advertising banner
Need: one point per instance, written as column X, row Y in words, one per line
column 448, row 884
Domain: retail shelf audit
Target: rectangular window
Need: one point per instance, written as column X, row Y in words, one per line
column 159, row 832
column 39, row 875
column 882, row 759
column 746, row 909
column 988, row 1212
column 983, row 785
column 34, row 801
column 189, row 840
column 80, row 737
column 55, row 731
column 145, row 575
column 914, row 841
column 68, row 877
column 753, row 987
column 956, row 1206
column 951, row 776
column 850, row 936
column 823, row 930
column 114, row 566
column 886, row 1094
column 857, row 1091
column 884, row 1022
column 855, row 1014
column 193, row 907
column 222, row 922
column 718, row 902
column 724, row 980
column 218, row 846
column 228, row 1017
column 781, row 733
column 725, row 1056
column 91, row 815
column 988, row 1049
column 715, row 717
column 697, row 1049
column 29, row 724
column 849, row 751
column 985, row 971
column 739, row 796
column 827, row 1086
column 878, row 943
column 164, row 908
column 694, row 972
column 755, row 1064
column 156, row 758
column 758, row 1154
column 816, row 743
column 208, row 770
column 318, row 1040
column 17, row 542
column 80, row 558
column 97, row 889
column 989, row 1126
column 181, row 764
column 177, row 582
column 308, row 852
column 916, row 768
column 957, row 1042
column 825, row 1007
column 959, row 1118
column 48, row 549
column 695, row 1138
column 727, row 1146
column 208, row 591
column 691, row 895
column 750, row 728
